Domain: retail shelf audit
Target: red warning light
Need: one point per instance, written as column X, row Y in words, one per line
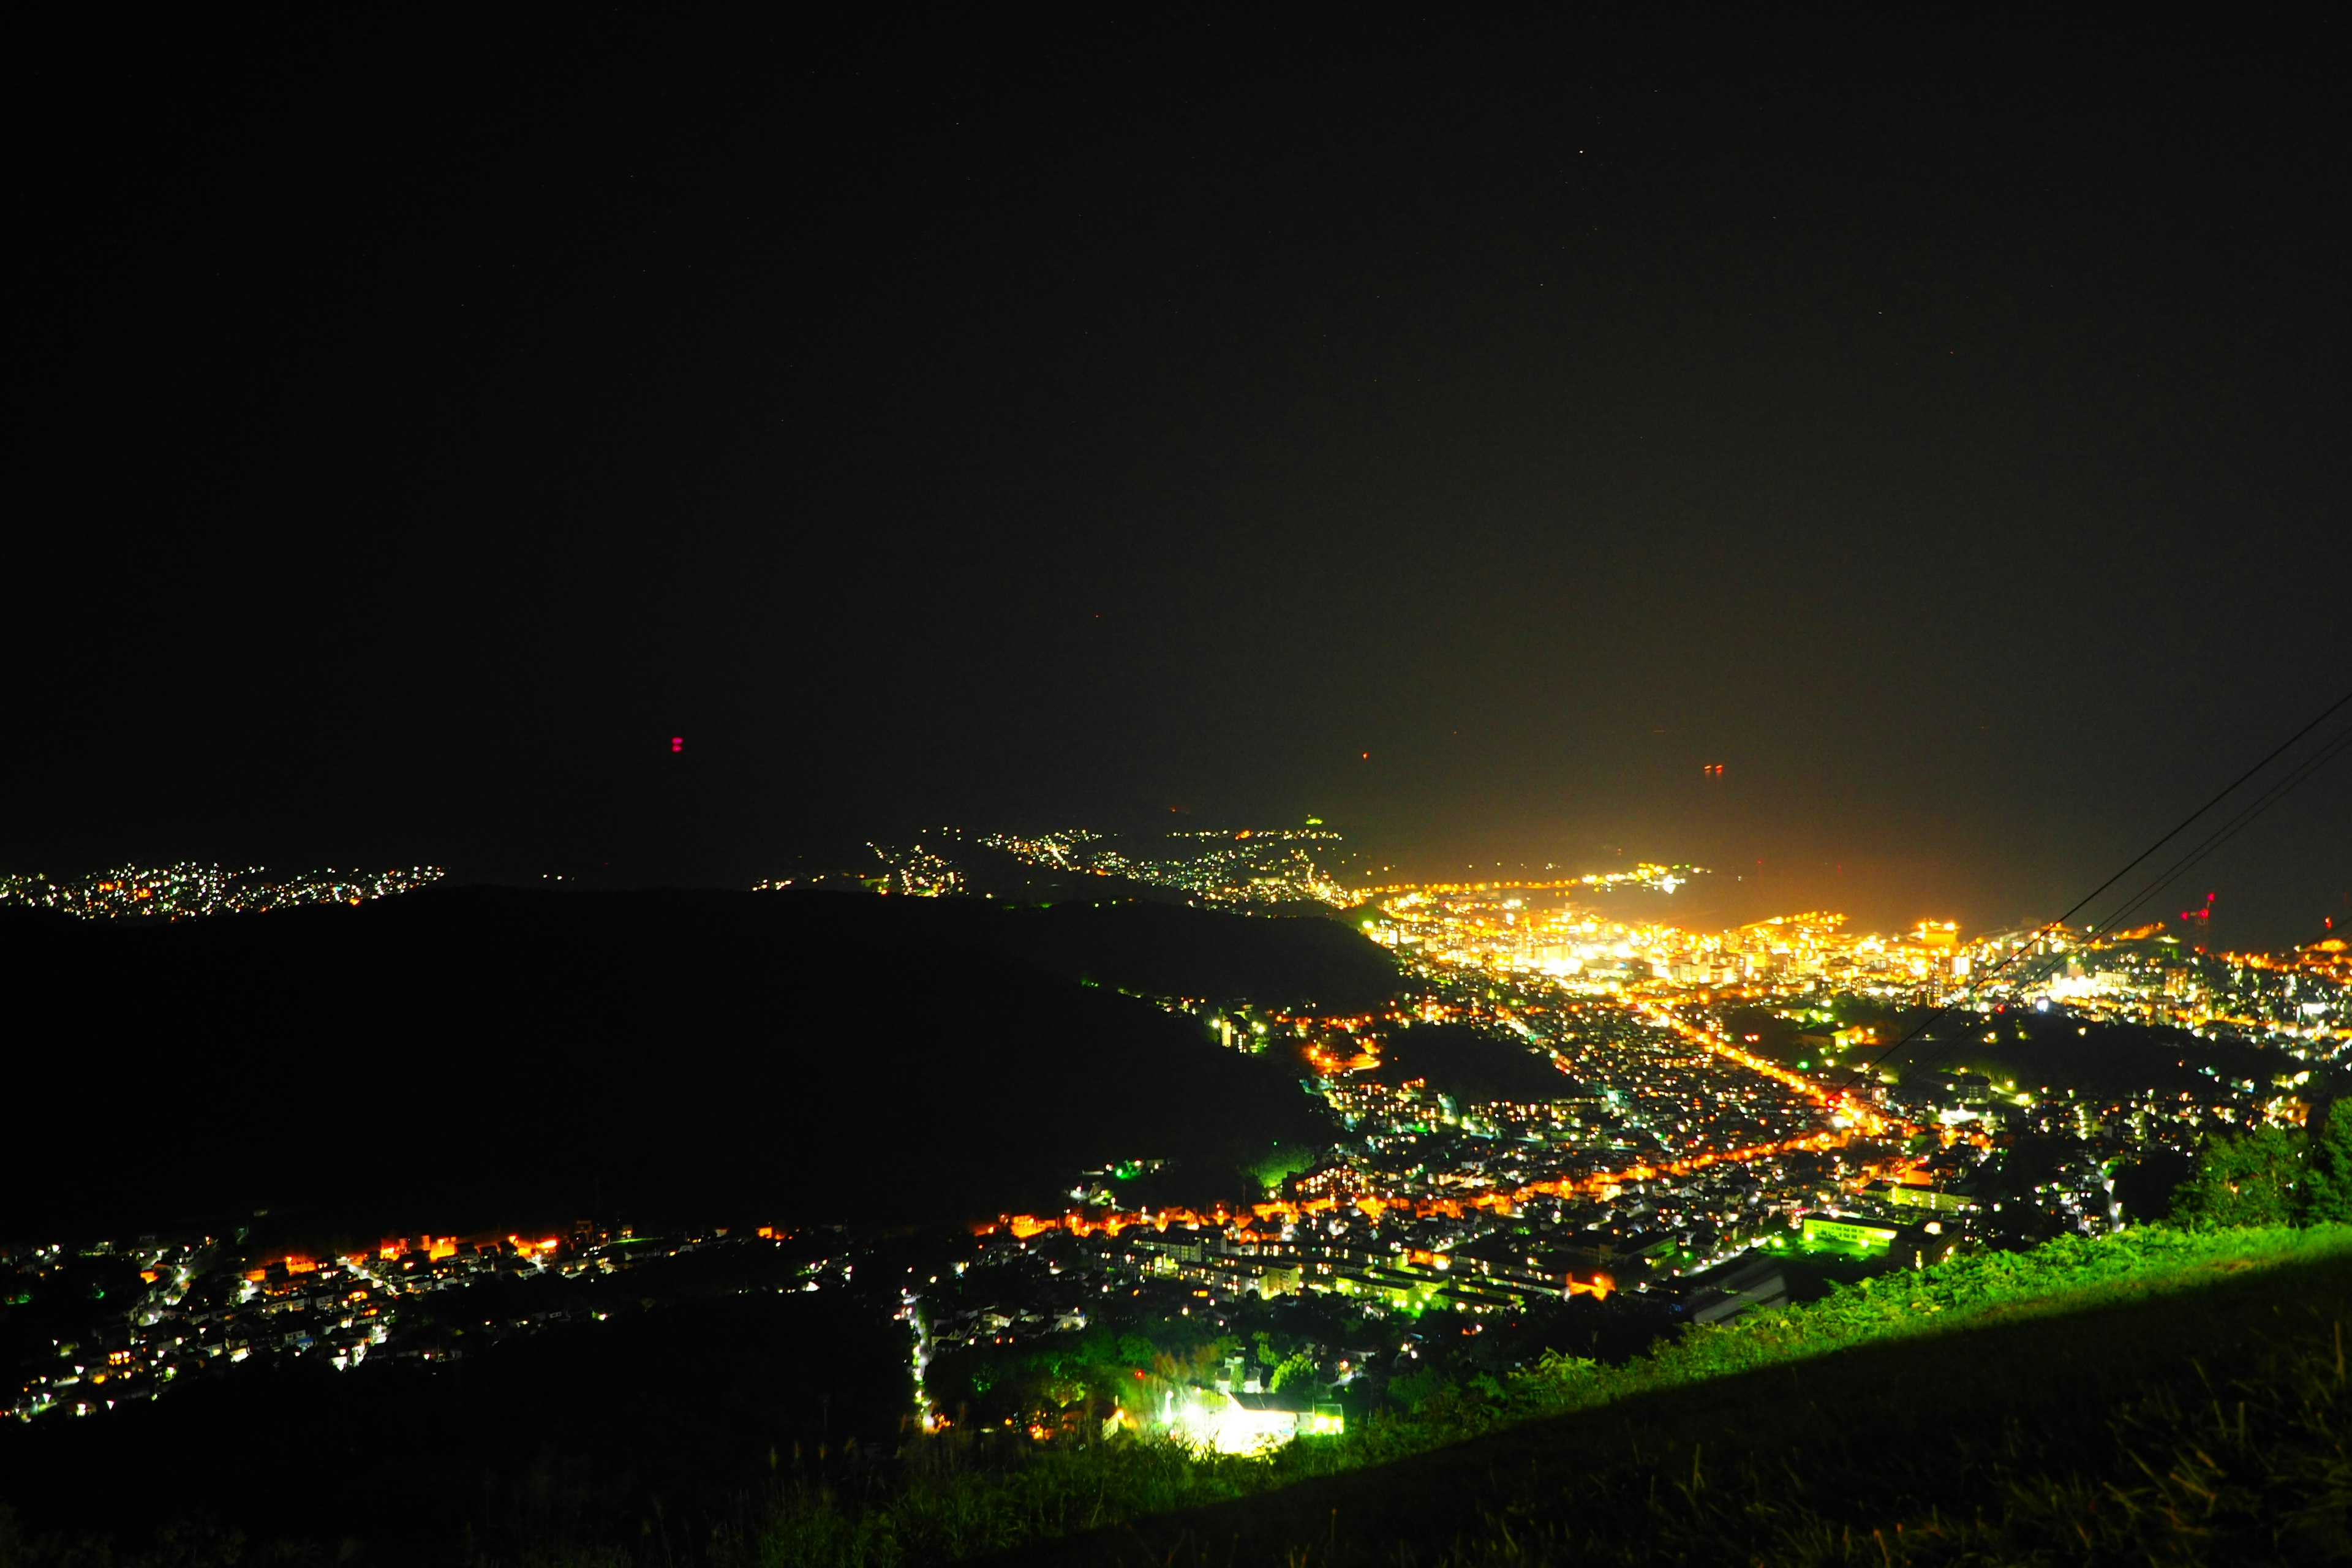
column 1711, row 770
column 677, row 743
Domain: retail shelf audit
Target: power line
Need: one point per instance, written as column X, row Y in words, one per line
column 2212, row 841
column 2326, row 713
column 2232, row 828
column 2301, row 771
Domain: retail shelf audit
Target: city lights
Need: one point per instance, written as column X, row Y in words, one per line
column 189, row 888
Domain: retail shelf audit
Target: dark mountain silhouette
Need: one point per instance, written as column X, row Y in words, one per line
column 1473, row 1064
column 1300, row 962
column 494, row 1057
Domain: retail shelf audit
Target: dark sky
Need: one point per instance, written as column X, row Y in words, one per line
column 1069, row 419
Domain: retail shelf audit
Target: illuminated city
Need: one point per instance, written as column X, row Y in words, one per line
column 1515, row 788
column 189, row 889
column 1554, row 1105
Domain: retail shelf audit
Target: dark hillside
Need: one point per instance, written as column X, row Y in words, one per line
column 1274, row 961
column 994, row 873
column 2055, row 1052
column 1148, row 946
column 494, row 1057
column 1472, row 1065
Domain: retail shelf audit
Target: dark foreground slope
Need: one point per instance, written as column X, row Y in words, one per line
column 488, row 1057
column 2202, row 1425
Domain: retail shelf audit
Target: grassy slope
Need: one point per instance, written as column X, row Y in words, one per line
column 2089, row 1423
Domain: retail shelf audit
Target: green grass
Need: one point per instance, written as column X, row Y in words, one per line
column 2181, row 1426
column 2007, row 1311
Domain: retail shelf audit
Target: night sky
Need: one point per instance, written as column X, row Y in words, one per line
column 1070, row 419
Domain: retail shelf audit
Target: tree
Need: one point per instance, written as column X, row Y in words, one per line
column 2324, row 1197
column 2251, row 1179
column 1296, row 1365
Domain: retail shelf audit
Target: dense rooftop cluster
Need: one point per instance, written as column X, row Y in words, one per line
column 2302, row 1000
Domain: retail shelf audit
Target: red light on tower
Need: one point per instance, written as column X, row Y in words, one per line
column 677, row 743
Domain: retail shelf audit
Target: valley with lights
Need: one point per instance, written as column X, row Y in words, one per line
column 1549, row 1129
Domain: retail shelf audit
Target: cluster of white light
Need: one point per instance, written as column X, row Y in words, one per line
column 189, row 888
column 1245, row 865
column 909, row 868
column 1062, row 851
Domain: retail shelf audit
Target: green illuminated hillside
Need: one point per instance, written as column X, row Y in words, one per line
column 2197, row 1414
